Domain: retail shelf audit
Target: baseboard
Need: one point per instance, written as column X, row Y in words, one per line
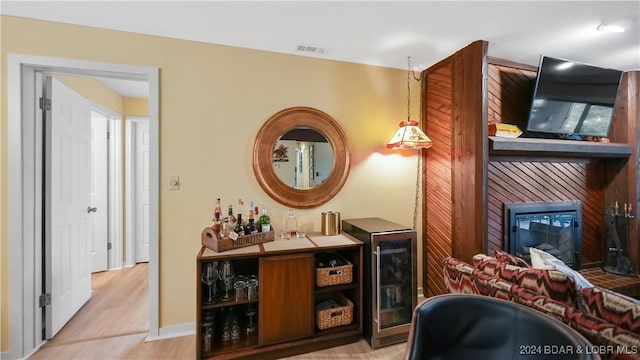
column 11, row 356
column 174, row 331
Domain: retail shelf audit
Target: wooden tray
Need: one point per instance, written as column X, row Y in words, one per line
column 212, row 240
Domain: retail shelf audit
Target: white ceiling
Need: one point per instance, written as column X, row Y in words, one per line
column 382, row 33
column 126, row 88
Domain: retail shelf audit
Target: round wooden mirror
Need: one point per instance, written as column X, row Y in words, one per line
column 268, row 153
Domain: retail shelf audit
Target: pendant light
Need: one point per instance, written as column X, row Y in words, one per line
column 409, row 136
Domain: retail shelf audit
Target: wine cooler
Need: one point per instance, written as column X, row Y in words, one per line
column 390, row 283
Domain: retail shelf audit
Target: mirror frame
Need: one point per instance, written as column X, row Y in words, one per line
column 266, row 140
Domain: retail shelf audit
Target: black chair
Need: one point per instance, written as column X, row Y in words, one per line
column 463, row 326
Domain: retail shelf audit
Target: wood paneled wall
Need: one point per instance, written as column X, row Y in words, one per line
column 509, row 92
column 438, row 212
column 455, row 221
column 464, row 188
column 530, row 181
column 622, row 177
column 542, row 179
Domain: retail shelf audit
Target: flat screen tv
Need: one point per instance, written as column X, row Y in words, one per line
column 572, row 99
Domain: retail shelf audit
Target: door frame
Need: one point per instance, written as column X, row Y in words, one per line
column 25, row 190
column 116, row 205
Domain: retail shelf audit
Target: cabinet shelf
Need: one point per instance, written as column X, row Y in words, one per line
column 556, row 148
column 335, row 288
column 337, row 329
column 229, row 347
column 221, row 304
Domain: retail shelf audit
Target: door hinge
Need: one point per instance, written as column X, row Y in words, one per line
column 108, row 135
column 45, row 104
column 45, row 299
column 108, row 246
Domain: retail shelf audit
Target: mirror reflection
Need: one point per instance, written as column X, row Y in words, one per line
column 303, row 158
column 324, row 175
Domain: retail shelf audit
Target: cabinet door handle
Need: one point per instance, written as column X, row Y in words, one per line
column 377, row 253
column 92, row 209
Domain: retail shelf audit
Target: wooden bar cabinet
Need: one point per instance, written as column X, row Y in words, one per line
column 280, row 319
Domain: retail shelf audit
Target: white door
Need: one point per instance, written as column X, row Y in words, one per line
column 141, row 193
column 99, row 186
column 67, row 200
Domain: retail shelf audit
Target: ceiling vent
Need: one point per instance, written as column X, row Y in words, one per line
column 309, row 49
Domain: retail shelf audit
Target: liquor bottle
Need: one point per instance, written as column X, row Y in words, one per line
column 292, row 225
column 217, row 224
column 229, row 221
column 239, row 228
column 240, row 209
column 217, row 213
column 264, row 222
column 250, row 228
column 226, row 229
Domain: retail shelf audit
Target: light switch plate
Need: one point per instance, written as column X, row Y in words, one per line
column 174, row 182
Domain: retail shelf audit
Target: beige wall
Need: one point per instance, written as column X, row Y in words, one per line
column 135, row 107
column 213, row 100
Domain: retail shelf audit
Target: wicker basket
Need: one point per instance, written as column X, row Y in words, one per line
column 336, row 315
column 336, row 275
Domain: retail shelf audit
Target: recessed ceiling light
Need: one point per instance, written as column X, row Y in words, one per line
column 610, row 28
column 615, row 26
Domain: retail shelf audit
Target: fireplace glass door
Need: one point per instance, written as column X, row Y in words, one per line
column 553, row 233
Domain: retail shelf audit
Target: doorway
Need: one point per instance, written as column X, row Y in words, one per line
column 26, row 181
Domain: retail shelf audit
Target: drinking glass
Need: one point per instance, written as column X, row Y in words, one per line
column 252, row 287
column 226, row 330
column 209, row 276
column 207, row 336
column 302, row 232
column 235, row 329
column 250, row 329
column 227, row 276
column 240, row 287
column 216, row 270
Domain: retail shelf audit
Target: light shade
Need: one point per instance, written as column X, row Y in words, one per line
column 409, row 137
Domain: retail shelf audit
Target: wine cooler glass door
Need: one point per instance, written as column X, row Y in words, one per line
column 394, row 275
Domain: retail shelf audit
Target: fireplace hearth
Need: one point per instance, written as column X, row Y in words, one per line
column 553, row 227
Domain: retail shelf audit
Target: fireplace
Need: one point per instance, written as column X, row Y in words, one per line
column 554, row 227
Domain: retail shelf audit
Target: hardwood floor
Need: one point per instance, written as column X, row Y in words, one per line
column 114, row 324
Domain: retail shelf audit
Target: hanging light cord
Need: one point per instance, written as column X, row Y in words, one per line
column 416, row 199
column 411, row 72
